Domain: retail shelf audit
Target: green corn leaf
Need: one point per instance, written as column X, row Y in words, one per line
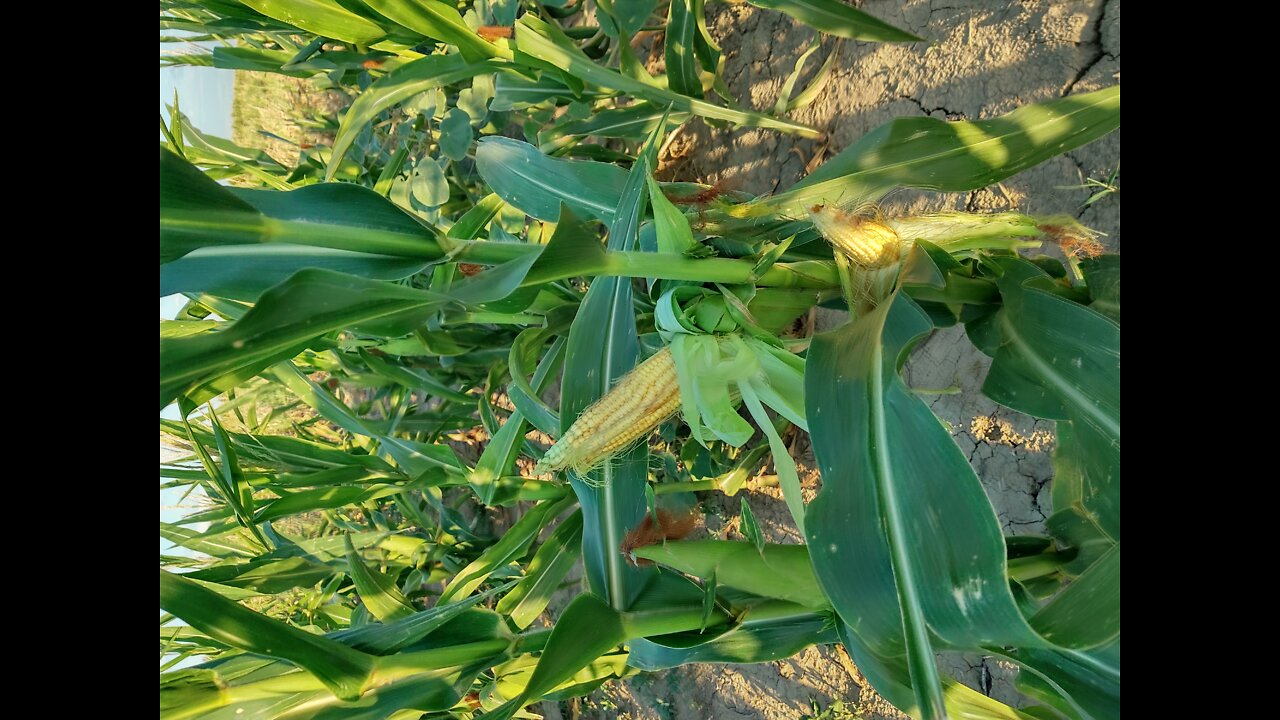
column 226, row 477
column 414, row 459
column 590, row 627
column 634, row 122
column 322, row 499
column 954, row 156
column 670, row 603
column 548, row 568
column 473, row 222
column 251, row 688
column 256, row 60
column 767, row 631
column 473, row 625
column 1057, row 359
column 414, row 379
column 185, row 190
column 776, row 571
column 959, row 700
column 292, row 315
column 377, row 591
column 522, row 394
column 326, row 18
column 674, row 234
column 1103, row 276
column 817, row 84
column 266, row 575
column 221, row 544
column 287, row 453
column 603, row 346
column 513, row 91
column 237, row 242
column 587, row 629
column 500, row 455
column 536, row 184
column 928, row 557
column 203, row 366
column 704, row 46
column 783, row 463
column 411, row 457
column 1082, row 684
column 1087, row 612
column 845, row 379
column 438, row 21
column 630, row 14
column 751, row 527
column 511, row 547
column 343, row 670
column 682, row 64
column 708, row 601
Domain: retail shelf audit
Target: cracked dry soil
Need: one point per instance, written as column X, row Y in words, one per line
column 986, row 58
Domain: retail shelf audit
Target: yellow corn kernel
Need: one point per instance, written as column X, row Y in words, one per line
column 641, row 401
column 866, row 241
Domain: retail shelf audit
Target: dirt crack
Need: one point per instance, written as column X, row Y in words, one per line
column 1099, row 55
column 951, row 114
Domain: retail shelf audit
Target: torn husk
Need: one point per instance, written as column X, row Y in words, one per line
column 959, row 231
column 872, row 247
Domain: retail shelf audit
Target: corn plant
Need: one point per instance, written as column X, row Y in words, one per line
column 427, row 379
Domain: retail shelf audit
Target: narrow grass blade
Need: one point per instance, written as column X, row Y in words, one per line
column 835, row 18
column 532, row 38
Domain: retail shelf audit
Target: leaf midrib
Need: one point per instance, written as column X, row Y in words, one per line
column 928, row 689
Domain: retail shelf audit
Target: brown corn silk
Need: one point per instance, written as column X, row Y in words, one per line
column 668, row 526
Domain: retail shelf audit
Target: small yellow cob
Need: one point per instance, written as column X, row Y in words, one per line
column 866, row 241
column 641, row 401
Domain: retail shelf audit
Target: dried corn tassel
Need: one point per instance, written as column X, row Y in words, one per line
column 641, row 401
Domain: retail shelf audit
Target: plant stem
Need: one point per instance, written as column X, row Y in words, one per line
column 1036, row 566
column 682, row 487
column 401, row 665
column 671, row 619
column 701, row 485
column 813, row 274
column 259, row 230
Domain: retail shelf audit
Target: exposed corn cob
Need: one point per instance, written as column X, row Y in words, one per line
column 869, row 253
column 866, row 241
column 641, row 400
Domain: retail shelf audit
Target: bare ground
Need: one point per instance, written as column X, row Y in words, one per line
column 986, row 58
column 270, row 103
